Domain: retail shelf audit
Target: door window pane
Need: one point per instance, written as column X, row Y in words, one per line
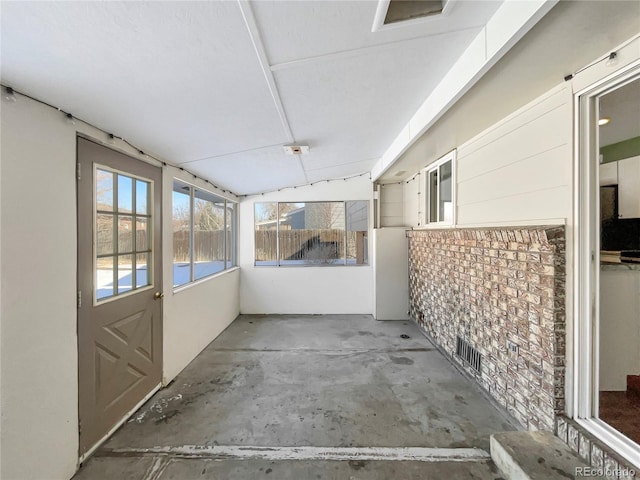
column 125, row 194
column 142, row 197
column 104, row 277
column 125, row 273
column 266, row 231
column 125, row 234
column 142, row 234
column 104, row 234
column 104, row 190
column 143, row 277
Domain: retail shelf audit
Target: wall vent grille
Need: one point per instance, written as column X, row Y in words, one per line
column 469, row 354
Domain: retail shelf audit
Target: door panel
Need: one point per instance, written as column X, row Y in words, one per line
column 119, row 278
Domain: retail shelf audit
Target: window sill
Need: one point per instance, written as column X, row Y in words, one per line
column 307, row 266
column 620, row 444
column 200, row 281
column 434, row 226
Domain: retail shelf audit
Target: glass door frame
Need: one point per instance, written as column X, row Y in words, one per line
column 584, row 362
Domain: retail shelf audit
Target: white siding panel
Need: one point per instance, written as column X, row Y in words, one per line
column 548, row 101
column 542, row 205
column 392, row 193
column 391, row 205
column 391, row 210
column 536, row 130
column 519, row 169
column 545, row 171
column 391, row 222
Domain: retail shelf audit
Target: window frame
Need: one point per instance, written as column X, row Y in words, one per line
column 583, row 342
column 116, row 253
column 230, row 248
column 436, row 166
column 329, row 264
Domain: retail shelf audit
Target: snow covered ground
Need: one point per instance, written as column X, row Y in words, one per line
column 105, row 284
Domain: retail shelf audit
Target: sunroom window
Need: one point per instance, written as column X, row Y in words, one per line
column 439, row 190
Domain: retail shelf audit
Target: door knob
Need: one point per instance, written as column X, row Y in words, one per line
column 158, row 295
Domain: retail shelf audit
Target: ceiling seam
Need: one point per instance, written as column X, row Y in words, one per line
column 304, row 172
column 357, row 51
column 258, row 45
column 227, row 154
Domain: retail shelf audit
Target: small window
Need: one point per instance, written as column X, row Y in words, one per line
column 439, row 188
column 204, row 233
column 311, row 233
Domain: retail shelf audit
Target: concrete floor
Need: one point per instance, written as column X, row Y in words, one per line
column 345, row 383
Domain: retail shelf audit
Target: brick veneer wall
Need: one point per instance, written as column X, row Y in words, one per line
column 592, row 450
column 493, row 285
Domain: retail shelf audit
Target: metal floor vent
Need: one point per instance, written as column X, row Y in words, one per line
column 469, row 354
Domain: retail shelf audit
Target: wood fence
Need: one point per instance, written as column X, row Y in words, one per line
column 309, row 244
column 207, row 245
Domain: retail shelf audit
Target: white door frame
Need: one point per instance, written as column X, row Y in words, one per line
column 583, row 405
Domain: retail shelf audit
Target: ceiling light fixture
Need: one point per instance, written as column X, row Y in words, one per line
column 295, row 149
column 604, row 121
column 8, row 95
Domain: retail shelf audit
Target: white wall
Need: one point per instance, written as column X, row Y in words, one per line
column 39, row 392
column 520, row 169
column 308, row 289
column 391, row 205
column 391, row 279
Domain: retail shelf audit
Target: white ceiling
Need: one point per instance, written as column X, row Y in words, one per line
column 220, row 86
